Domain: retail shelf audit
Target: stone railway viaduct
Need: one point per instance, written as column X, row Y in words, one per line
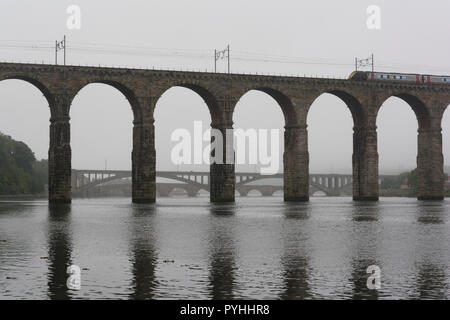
column 221, row 92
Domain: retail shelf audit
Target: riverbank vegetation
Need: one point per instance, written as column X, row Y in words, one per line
column 20, row 172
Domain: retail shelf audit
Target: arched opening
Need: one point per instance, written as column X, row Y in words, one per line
column 445, row 124
column 278, row 194
column 101, row 128
column 336, row 148
column 397, row 137
column 182, row 136
column 330, row 134
column 398, row 121
column 254, row 193
column 178, row 193
column 24, row 117
column 259, row 119
column 203, row 193
column 319, row 194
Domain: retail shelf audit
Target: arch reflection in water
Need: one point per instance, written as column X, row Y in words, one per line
column 365, row 251
column 432, row 252
column 59, row 250
column 144, row 255
column 222, row 251
column 296, row 251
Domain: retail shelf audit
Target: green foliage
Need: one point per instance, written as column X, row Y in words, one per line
column 410, row 177
column 20, row 173
column 412, row 181
column 394, row 182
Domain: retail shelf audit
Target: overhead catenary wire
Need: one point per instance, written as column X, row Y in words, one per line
column 204, row 54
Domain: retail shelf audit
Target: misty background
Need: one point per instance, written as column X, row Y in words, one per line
column 275, row 37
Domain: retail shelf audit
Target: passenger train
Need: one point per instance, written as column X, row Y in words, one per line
column 407, row 77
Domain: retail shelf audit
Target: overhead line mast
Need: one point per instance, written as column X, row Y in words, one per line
column 61, row 45
column 364, row 63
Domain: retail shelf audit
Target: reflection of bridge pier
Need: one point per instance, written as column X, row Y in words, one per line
column 191, row 183
column 365, row 218
column 144, row 256
column 222, row 264
column 59, row 251
column 432, row 264
column 295, row 260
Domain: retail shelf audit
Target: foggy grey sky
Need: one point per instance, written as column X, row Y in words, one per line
column 413, row 38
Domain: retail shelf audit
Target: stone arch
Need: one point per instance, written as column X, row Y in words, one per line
column 442, row 113
column 181, row 187
column 351, row 101
column 117, row 91
column 219, row 105
column 277, row 192
column 255, row 190
column 194, row 96
column 445, row 115
column 364, row 156
column 205, row 93
column 37, row 84
column 35, row 104
column 59, row 153
column 397, row 129
column 446, row 137
column 295, row 156
column 429, row 160
column 421, row 111
column 126, row 91
column 283, row 101
column 319, row 193
column 279, row 114
column 319, row 187
column 445, row 108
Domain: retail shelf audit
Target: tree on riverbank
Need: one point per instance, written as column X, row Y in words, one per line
column 20, row 172
column 406, row 180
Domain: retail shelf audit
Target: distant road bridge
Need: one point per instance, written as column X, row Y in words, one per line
column 191, row 182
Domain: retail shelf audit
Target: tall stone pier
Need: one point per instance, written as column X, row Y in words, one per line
column 365, row 164
column 430, row 174
column 296, row 163
column 222, row 174
column 60, row 153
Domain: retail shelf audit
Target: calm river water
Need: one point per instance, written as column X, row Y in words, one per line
column 258, row 248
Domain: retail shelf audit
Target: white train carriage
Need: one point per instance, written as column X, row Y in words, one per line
column 407, row 77
column 435, row 79
column 395, row 76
